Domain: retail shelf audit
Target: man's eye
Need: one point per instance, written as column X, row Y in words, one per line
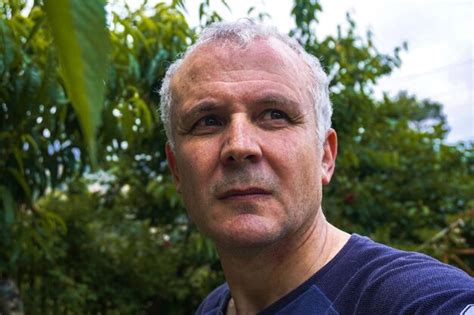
column 273, row 114
column 209, row 121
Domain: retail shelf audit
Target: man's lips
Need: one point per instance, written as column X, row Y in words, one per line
column 243, row 193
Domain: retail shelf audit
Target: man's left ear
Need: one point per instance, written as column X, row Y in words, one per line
column 329, row 156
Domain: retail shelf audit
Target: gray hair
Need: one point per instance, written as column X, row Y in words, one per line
column 242, row 32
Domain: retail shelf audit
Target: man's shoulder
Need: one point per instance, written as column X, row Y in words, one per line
column 215, row 301
column 376, row 277
column 375, row 260
column 367, row 277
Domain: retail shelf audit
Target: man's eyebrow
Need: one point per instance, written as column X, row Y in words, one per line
column 274, row 99
column 197, row 110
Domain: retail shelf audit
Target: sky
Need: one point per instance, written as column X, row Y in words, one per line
column 438, row 65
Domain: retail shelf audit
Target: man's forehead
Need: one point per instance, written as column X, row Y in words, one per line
column 220, row 55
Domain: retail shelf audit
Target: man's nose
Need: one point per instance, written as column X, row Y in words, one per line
column 240, row 143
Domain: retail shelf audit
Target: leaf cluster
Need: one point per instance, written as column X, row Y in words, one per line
column 117, row 240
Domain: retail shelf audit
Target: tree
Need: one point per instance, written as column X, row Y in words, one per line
column 116, row 239
column 44, row 254
column 38, row 139
column 396, row 179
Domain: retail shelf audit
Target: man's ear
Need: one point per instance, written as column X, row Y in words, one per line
column 329, row 156
column 170, row 156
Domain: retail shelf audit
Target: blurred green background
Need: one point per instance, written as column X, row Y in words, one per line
column 90, row 222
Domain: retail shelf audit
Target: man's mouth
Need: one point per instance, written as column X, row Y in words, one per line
column 244, row 194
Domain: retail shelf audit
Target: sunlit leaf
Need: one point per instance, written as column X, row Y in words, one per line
column 80, row 34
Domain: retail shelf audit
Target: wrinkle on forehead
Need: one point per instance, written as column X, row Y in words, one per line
column 225, row 58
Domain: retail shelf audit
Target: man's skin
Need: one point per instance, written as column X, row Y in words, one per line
column 249, row 165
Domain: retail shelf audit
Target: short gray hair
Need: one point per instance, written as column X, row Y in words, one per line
column 245, row 31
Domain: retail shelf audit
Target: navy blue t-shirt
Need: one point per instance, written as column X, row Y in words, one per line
column 370, row 278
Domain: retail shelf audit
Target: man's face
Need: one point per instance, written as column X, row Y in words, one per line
column 247, row 159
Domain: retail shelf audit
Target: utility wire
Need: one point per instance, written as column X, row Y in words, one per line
column 434, row 70
column 448, row 92
column 404, row 3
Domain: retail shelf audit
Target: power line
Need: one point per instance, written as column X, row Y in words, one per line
column 437, row 96
column 447, row 92
column 434, row 70
column 431, row 4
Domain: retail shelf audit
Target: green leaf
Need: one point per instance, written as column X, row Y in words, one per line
column 8, row 206
column 19, row 160
column 20, row 178
column 6, row 48
column 143, row 112
column 28, row 138
column 80, row 34
column 179, row 3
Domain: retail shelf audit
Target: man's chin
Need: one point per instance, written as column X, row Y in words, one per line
column 247, row 232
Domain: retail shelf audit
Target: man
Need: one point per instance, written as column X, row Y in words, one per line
column 247, row 114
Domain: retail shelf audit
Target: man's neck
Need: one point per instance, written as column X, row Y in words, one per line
column 258, row 280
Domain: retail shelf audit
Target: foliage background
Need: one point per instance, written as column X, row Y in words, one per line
column 90, row 222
